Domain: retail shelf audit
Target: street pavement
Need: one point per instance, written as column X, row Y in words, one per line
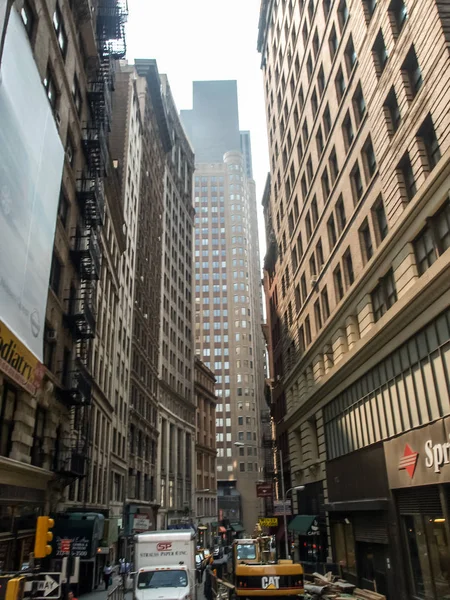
column 101, row 594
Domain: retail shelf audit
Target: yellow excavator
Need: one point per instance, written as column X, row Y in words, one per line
column 257, row 573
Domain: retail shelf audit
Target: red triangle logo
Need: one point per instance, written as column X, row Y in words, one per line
column 408, row 462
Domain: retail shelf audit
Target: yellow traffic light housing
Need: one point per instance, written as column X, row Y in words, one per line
column 15, row 588
column 42, row 547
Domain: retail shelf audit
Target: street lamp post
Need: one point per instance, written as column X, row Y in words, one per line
column 284, row 494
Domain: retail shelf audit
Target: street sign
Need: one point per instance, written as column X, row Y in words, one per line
column 45, row 586
column 280, row 508
column 264, row 490
column 268, row 522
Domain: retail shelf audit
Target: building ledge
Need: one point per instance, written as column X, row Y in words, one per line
column 358, row 505
column 11, row 472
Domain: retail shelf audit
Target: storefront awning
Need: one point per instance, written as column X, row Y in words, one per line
column 237, row 527
column 304, row 525
column 222, row 529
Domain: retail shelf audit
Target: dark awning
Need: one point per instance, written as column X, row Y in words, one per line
column 237, row 527
column 304, row 525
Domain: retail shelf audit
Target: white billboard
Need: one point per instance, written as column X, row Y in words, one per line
column 31, row 162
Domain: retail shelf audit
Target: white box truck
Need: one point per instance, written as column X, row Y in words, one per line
column 165, row 565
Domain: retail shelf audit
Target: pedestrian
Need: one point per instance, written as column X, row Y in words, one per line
column 207, row 588
column 107, row 574
column 71, row 596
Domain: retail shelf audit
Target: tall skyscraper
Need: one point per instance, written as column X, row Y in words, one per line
column 228, row 333
column 176, row 357
column 357, row 280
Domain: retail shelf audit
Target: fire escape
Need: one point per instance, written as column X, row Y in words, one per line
column 86, row 254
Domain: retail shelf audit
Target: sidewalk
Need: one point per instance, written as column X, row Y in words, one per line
column 100, row 593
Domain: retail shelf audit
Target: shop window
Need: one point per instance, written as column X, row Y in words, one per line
column 429, row 555
column 7, row 409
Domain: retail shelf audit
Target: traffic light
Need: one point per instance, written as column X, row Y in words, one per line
column 15, row 588
column 43, row 536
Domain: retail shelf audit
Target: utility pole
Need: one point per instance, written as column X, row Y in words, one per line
column 284, row 506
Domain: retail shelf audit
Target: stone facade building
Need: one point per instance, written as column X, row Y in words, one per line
column 205, row 455
column 228, row 318
column 142, row 496
column 175, row 483
column 358, row 278
column 48, row 438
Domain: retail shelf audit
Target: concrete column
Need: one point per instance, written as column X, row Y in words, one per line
column 352, row 331
column 328, row 358
column 405, row 269
column 365, row 315
column 339, row 345
column 318, row 368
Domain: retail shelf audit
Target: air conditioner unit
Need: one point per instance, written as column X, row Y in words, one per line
column 51, row 335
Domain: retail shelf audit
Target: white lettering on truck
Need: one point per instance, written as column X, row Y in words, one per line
column 436, row 455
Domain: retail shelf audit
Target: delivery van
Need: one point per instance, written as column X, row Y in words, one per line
column 165, row 565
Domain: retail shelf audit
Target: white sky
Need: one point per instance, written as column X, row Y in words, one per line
column 195, row 40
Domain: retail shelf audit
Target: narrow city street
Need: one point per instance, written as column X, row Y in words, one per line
column 102, row 594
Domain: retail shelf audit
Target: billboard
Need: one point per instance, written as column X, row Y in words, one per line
column 31, row 162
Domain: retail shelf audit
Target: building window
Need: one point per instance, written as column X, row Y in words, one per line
column 325, row 184
column 340, row 85
column 332, row 236
column 327, row 121
column 314, row 211
column 63, row 208
column 382, row 226
column 348, row 268
column 397, row 14
column 318, row 315
column 308, row 331
column 392, row 111
column 37, row 449
column 319, row 141
column 384, row 295
column 370, row 162
column 70, row 149
column 309, row 67
column 427, row 135
column 76, row 94
column 309, row 170
column 369, row 7
column 357, row 184
column 338, row 283
column 347, row 130
column 321, row 80
column 366, row 241
column 308, row 226
column 50, row 88
column 350, row 55
column 325, row 304
column 333, row 43
column 60, row 30
column 314, row 103
column 8, row 401
column 340, row 214
column 326, row 8
column 303, row 288
column 55, row 274
column 28, row 18
column 359, row 105
column 433, row 240
column 412, row 73
column 407, row 175
column 343, row 14
column 334, row 167
column 316, row 44
column 379, row 53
